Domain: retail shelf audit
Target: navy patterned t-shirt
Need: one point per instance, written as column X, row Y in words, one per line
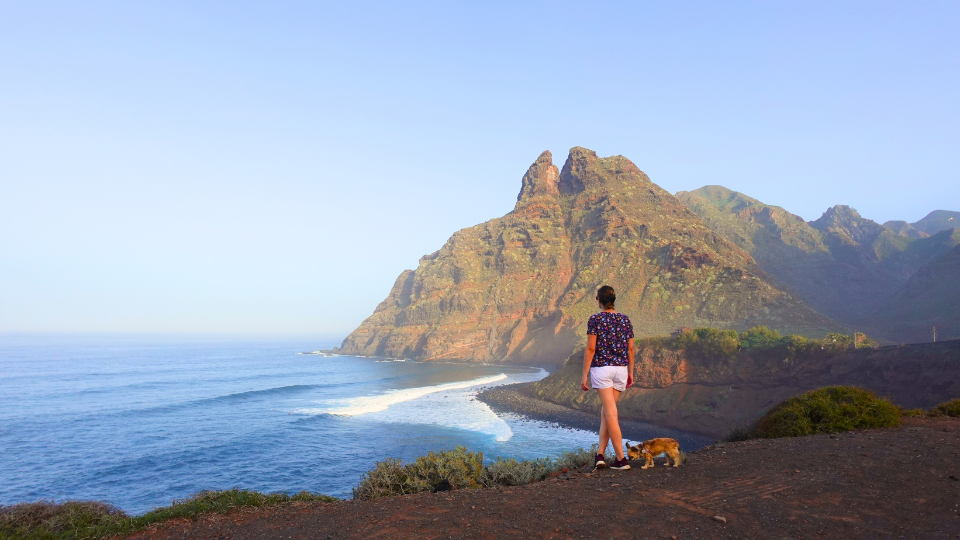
column 613, row 331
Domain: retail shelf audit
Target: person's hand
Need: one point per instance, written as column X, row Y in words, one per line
column 629, row 380
column 583, row 385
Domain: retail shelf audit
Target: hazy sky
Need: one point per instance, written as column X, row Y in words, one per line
column 272, row 167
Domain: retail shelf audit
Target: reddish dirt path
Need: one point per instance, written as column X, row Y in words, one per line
column 894, row 483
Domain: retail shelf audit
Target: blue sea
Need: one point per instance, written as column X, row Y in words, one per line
column 138, row 421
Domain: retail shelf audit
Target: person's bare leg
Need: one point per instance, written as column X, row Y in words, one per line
column 608, row 399
column 604, row 434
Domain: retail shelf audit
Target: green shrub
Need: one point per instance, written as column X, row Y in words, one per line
column 913, row 413
column 462, row 469
column 90, row 519
column 712, row 343
column 947, row 408
column 387, row 479
column 46, row 519
column 827, row 410
column 759, row 336
column 576, row 459
column 739, row 433
column 510, row 472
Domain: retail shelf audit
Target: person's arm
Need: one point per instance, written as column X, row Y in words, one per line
column 630, row 356
column 588, row 359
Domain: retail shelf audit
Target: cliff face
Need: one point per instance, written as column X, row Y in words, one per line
column 713, row 396
column 842, row 264
column 519, row 288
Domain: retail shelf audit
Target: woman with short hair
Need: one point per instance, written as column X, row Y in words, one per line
column 608, row 363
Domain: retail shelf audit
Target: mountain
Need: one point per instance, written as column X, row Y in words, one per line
column 937, row 221
column 842, row 264
column 520, row 288
column 931, row 297
column 902, row 228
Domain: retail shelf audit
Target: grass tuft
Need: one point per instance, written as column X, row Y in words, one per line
column 46, row 520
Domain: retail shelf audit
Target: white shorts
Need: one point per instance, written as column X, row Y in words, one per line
column 609, row 377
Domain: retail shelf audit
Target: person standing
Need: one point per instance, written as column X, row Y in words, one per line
column 608, row 363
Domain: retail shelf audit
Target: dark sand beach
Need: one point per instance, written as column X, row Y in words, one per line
column 508, row 399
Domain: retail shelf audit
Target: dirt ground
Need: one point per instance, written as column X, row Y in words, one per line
column 892, row 483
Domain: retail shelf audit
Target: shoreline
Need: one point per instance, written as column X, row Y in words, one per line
column 509, row 399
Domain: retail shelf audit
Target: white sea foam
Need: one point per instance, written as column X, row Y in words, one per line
column 381, row 402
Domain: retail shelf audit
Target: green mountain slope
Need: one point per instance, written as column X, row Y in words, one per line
column 842, row 264
column 937, row 221
column 931, row 297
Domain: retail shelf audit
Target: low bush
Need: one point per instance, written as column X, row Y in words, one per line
column 947, row 408
column 759, row 336
column 913, row 413
column 827, row 410
column 45, row 519
column 461, row 469
column 739, row 433
column 510, row 472
column 710, row 342
column 71, row 520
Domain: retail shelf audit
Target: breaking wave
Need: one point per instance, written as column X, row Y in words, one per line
column 381, row 402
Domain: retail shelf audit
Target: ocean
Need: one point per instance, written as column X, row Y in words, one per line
column 138, row 421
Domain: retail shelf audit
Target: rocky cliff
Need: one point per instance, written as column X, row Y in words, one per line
column 678, row 389
column 519, row 288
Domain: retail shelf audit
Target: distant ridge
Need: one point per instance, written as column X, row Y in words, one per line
column 846, row 266
column 519, row 288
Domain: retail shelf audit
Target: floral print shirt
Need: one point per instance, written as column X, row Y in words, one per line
column 613, row 331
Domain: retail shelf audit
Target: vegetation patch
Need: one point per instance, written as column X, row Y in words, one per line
column 458, row 469
column 947, row 408
column 70, row 520
column 827, row 410
column 716, row 344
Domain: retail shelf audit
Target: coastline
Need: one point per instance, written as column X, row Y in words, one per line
column 509, row 398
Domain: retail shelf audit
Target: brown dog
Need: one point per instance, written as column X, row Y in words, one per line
column 654, row 447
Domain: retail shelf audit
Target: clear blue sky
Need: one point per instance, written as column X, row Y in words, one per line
column 272, row 167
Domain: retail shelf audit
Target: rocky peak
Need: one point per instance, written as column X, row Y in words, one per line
column 541, row 178
column 584, row 171
column 846, row 224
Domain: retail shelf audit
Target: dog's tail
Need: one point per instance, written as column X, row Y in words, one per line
column 683, row 457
